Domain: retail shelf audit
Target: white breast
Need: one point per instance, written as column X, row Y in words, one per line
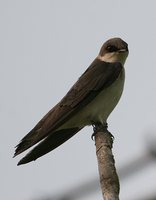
column 100, row 108
column 106, row 101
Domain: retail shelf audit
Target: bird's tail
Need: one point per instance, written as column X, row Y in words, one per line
column 51, row 142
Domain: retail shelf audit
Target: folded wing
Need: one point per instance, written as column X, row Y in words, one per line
column 96, row 78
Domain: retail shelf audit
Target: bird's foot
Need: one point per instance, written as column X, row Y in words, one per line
column 97, row 127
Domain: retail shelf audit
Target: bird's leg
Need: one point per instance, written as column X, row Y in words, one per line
column 100, row 127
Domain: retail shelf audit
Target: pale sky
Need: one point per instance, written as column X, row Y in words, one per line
column 45, row 46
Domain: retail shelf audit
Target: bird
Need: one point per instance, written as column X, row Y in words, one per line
column 89, row 101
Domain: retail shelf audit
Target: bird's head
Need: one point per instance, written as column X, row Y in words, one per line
column 114, row 50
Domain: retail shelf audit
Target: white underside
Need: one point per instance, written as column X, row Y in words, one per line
column 100, row 108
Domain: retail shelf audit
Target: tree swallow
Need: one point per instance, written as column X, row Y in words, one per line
column 90, row 100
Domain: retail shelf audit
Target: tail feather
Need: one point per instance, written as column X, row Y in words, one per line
column 50, row 143
column 28, row 141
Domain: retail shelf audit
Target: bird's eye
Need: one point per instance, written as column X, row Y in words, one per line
column 112, row 48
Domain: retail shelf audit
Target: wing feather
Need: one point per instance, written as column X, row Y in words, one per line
column 98, row 76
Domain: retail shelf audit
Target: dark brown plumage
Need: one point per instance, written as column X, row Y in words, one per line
column 97, row 77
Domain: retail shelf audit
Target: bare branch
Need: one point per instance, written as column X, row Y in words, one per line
column 108, row 177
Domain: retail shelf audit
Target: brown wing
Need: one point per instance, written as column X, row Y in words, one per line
column 97, row 77
column 51, row 142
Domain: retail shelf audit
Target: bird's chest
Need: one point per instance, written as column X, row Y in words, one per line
column 104, row 103
column 100, row 107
